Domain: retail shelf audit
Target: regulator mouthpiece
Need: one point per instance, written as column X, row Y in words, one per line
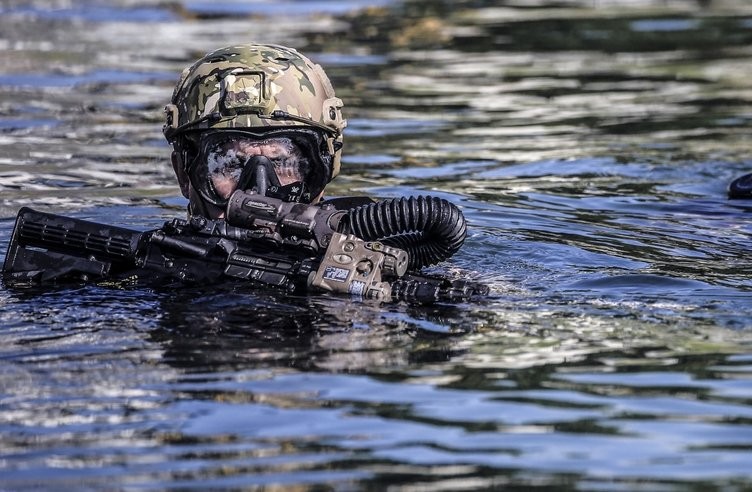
column 260, row 175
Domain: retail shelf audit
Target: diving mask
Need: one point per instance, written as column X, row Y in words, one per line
column 273, row 164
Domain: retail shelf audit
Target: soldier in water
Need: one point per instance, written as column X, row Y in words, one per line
column 259, row 117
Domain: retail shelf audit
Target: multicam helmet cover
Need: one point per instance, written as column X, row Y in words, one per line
column 259, row 88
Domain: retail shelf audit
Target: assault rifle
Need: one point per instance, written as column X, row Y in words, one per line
column 263, row 240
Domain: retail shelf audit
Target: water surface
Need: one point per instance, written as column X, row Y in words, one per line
column 589, row 144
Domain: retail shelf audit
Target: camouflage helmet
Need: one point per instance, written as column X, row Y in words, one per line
column 259, row 88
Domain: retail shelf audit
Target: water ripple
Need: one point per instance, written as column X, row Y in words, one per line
column 589, row 149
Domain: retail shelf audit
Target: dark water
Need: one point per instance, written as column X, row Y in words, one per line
column 589, row 144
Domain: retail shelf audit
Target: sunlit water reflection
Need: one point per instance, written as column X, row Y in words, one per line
column 590, row 150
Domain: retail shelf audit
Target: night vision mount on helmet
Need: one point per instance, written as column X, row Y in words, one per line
column 259, row 88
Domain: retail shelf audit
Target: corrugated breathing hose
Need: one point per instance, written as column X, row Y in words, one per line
column 429, row 229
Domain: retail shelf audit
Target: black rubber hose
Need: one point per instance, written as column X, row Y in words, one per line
column 741, row 187
column 429, row 229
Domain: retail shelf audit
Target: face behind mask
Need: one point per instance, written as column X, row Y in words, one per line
column 275, row 166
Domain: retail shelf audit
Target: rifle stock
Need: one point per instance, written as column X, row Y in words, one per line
column 46, row 247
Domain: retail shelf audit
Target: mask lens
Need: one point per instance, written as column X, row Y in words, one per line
column 223, row 157
column 224, row 163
